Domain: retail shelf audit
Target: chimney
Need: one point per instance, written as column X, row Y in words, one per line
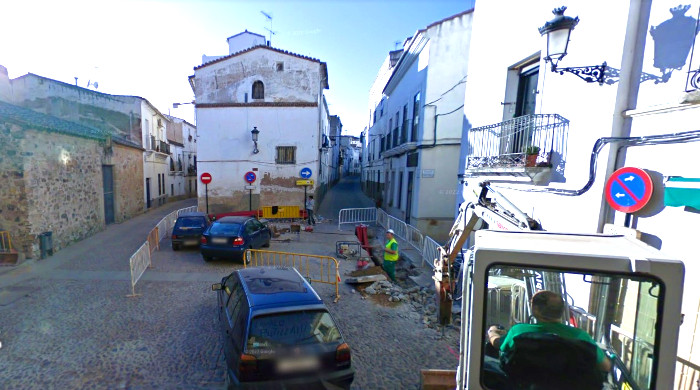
column 5, row 87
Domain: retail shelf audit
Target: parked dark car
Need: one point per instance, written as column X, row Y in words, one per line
column 229, row 237
column 188, row 229
column 278, row 333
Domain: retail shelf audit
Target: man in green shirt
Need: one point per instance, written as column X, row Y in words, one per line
column 548, row 309
column 391, row 255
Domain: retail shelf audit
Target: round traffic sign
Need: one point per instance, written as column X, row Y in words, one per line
column 205, row 178
column 628, row 189
column 305, row 173
column 249, row 177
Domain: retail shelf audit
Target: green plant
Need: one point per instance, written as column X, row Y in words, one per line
column 530, row 150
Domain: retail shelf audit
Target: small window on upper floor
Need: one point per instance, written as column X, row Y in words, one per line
column 258, row 90
column 280, row 66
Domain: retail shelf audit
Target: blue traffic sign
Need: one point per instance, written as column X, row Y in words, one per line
column 250, row 177
column 628, row 189
column 305, row 173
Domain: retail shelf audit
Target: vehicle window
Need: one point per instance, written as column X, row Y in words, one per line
column 250, row 228
column 234, row 302
column 230, row 284
column 239, row 321
column 258, row 224
column 190, row 223
column 619, row 313
column 225, row 228
column 292, row 328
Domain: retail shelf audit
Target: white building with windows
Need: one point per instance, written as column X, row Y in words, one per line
column 279, row 95
column 642, row 114
column 182, row 137
column 413, row 141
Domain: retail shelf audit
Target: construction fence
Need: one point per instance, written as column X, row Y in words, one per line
column 140, row 261
column 426, row 246
column 319, row 269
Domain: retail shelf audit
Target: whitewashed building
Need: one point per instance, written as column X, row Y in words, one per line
column 279, row 95
column 642, row 114
column 156, row 157
column 416, row 124
column 182, row 137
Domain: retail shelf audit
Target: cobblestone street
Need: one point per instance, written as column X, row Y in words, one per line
column 66, row 321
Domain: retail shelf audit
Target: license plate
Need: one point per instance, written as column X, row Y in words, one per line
column 191, row 242
column 297, row 364
column 219, row 240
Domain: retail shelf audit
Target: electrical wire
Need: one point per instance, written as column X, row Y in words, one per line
column 660, row 139
column 462, row 81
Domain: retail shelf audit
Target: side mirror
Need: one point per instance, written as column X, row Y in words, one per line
column 216, row 287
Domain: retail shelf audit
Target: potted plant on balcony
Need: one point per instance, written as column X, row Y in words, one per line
column 531, row 154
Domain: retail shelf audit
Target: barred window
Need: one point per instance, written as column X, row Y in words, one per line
column 286, row 155
column 258, row 90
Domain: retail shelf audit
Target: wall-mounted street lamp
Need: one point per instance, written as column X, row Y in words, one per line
column 255, row 133
column 558, row 31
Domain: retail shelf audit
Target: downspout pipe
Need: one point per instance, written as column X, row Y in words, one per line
column 627, row 93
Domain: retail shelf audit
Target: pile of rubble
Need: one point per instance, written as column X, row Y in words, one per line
column 422, row 299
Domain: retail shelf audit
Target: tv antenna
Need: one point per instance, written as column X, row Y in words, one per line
column 269, row 17
column 396, row 44
column 94, row 84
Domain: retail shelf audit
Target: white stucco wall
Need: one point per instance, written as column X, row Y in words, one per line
column 244, row 41
column 225, row 150
column 154, row 163
column 590, row 108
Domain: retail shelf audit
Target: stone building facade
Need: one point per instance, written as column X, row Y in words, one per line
column 56, row 181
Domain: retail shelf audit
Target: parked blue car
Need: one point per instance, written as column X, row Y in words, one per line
column 278, row 334
column 229, row 237
column 188, row 229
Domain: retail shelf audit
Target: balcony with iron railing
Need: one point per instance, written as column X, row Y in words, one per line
column 522, row 146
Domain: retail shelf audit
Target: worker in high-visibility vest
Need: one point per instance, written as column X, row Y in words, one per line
column 391, row 254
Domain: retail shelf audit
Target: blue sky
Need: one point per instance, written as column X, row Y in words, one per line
column 148, row 48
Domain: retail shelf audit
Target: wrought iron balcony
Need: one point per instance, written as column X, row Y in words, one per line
column 508, row 144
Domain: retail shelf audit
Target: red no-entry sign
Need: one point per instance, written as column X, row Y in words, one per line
column 205, row 178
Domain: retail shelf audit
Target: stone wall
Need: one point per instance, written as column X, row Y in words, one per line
column 63, row 175
column 128, row 182
column 13, row 197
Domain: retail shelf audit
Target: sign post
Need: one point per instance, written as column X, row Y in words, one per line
column 628, row 190
column 206, row 179
column 249, row 178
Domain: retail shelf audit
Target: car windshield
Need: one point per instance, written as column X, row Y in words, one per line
column 292, row 328
column 225, row 228
column 190, row 223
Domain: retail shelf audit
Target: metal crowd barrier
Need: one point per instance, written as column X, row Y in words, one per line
column 368, row 214
column 323, row 266
column 141, row 259
column 414, row 237
column 430, row 251
column 190, row 209
column 382, row 218
column 138, row 263
column 426, row 245
column 153, row 239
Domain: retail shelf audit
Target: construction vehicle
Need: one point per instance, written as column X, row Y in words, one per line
column 625, row 294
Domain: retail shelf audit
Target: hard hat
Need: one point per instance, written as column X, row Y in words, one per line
column 390, row 231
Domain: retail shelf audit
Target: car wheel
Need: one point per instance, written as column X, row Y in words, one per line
column 176, row 247
column 267, row 244
column 206, row 258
